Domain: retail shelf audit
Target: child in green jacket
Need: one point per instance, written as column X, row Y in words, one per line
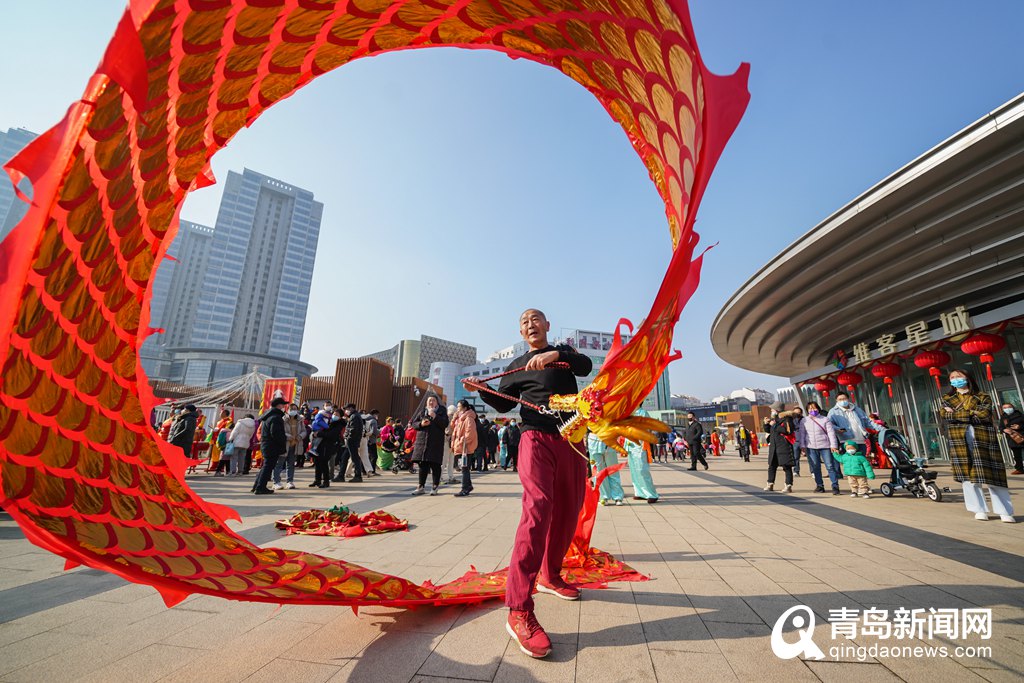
column 856, row 468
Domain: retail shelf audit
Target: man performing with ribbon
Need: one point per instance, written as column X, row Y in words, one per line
column 551, row 470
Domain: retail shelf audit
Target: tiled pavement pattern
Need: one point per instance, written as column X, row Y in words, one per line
column 726, row 561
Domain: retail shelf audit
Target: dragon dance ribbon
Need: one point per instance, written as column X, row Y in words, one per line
column 81, row 470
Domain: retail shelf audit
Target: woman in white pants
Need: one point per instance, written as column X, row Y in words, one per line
column 973, row 449
column 364, row 457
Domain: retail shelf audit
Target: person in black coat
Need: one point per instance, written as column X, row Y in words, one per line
column 693, row 435
column 1012, row 422
column 273, row 444
column 353, row 435
column 183, row 431
column 780, row 448
column 428, row 450
column 480, row 456
column 511, row 439
column 326, row 448
column 492, row 444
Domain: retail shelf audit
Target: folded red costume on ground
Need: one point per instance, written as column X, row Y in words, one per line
column 340, row 521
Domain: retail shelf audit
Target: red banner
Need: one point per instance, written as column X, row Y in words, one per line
column 285, row 388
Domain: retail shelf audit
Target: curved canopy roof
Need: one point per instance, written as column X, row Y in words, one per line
column 945, row 230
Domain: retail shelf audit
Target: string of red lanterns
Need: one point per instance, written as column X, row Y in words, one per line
column 981, row 344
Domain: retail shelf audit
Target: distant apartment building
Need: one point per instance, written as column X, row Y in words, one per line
column 683, row 401
column 754, row 396
column 788, row 395
column 413, row 357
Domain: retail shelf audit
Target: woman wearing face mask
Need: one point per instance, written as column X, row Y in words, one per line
column 816, row 437
column 428, row 450
column 781, row 438
column 1012, row 425
column 295, row 430
column 974, row 452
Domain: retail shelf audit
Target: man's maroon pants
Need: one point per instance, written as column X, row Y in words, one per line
column 553, row 477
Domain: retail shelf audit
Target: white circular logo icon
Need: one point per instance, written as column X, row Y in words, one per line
column 804, row 646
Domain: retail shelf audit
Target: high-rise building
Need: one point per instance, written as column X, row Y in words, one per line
column 256, row 285
column 176, row 295
column 177, row 285
column 413, row 357
column 12, row 209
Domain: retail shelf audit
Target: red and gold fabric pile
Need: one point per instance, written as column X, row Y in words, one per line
column 340, row 521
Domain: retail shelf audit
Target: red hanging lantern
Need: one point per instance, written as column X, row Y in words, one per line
column 886, row 371
column 823, row 386
column 849, row 380
column 984, row 345
column 932, row 361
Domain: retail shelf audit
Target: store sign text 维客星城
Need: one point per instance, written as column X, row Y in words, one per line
column 918, row 333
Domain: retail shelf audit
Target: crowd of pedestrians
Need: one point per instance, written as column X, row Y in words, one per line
column 448, row 445
column 344, row 444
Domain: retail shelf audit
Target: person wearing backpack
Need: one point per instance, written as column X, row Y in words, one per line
column 225, row 446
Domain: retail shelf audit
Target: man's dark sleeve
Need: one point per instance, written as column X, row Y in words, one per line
column 579, row 364
column 502, row 405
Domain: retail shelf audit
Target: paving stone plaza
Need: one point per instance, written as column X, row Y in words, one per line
column 726, row 560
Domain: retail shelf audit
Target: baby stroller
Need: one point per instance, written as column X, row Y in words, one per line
column 907, row 474
column 403, row 454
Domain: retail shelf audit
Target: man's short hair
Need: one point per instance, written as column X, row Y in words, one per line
column 842, row 393
column 374, row 412
column 279, row 401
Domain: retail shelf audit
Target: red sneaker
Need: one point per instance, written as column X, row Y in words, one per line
column 562, row 590
column 523, row 626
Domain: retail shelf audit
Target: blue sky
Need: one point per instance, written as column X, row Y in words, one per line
column 434, row 165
